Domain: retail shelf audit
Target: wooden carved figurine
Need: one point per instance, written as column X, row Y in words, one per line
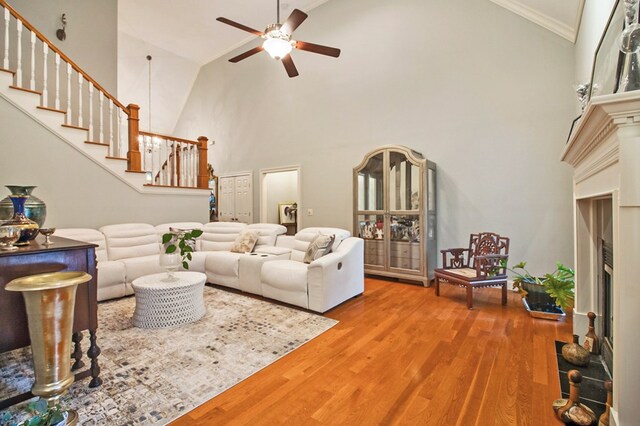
column 591, row 342
column 571, row 410
column 575, row 354
column 604, row 418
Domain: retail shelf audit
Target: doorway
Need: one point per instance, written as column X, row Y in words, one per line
column 280, row 197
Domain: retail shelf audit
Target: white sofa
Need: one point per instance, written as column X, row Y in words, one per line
column 128, row 251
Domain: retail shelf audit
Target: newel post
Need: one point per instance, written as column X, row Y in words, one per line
column 134, row 162
column 203, row 161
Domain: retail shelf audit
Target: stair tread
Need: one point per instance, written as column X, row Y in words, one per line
column 51, row 109
column 26, row 90
column 71, row 126
column 135, row 171
column 9, row 71
column 170, row 186
column 115, row 158
column 96, row 143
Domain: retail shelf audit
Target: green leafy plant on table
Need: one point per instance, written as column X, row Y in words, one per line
column 559, row 284
column 41, row 415
column 182, row 240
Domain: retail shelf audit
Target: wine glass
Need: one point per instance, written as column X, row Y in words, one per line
column 47, row 232
column 171, row 263
column 8, row 236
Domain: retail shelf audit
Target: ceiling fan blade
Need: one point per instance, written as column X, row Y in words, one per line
column 316, row 48
column 239, row 26
column 246, row 54
column 294, row 20
column 289, row 66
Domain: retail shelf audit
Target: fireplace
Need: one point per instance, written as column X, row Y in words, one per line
column 605, row 153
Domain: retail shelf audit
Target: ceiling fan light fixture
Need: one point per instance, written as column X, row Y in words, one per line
column 277, row 43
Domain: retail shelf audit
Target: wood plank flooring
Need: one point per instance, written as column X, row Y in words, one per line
column 401, row 355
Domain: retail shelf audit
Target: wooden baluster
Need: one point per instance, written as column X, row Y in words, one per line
column 45, row 66
column 174, row 176
column 57, row 101
column 110, row 123
column 19, row 55
column 133, row 155
column 32, row 80
column 91, row 136
column 203, row 174
column 80, row 79
column 69, row 93
column 5, row 63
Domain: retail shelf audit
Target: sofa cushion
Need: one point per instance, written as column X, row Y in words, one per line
column 220, row 235
column 136, row 267
column 245, row 242
column 287, row 275
column 130, row 240
column 86, row 235
column 111, row 279
column 318, row 247
column 222, row 268
column 177, row 227
column 268, row 232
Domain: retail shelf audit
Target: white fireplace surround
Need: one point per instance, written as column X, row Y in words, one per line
column 605, row 153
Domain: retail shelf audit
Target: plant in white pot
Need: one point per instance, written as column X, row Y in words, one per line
column 178, row 246
column 547, row 296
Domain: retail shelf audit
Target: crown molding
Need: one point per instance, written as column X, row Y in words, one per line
column 563, row 30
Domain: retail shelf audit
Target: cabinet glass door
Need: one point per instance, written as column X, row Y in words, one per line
column 370, row 224
column 404, row 218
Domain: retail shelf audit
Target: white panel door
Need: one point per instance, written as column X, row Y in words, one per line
column 243, row 199
column 226, row 199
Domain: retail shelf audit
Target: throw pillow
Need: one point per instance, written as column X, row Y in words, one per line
column 318, row 247
column 245, row 242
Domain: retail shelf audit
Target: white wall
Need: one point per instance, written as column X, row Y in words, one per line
column 482, row 92
column 91, row 33
column 279, row 187
column 172, row 78
column 78, row 192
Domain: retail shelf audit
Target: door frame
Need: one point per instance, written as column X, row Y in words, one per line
column 236, row 174
column 263, row 199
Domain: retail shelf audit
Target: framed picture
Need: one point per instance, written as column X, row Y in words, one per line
column 288, row 213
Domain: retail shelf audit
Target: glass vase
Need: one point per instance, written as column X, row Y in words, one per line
column 29, row 228
column 171, row 263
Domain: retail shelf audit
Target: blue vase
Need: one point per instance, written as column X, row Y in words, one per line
column 28, row 228
column 34, row 208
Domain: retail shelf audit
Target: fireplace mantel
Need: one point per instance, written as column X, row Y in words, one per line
column 604, row 151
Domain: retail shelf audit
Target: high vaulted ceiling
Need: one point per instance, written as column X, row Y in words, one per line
column 188, row 28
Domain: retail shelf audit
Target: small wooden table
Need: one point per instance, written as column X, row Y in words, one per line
column 37, row 258
column 162, row 303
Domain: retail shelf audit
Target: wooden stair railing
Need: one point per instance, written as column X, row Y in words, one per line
column 100, row 114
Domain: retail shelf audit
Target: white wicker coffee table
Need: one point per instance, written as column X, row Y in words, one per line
column 161, row 304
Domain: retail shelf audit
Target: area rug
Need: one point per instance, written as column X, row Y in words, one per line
column 155, row 376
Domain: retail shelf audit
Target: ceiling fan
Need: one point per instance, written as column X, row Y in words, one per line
column 278, row 42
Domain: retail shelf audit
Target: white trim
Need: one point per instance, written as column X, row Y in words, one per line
column 263, row 199
column 563, row 30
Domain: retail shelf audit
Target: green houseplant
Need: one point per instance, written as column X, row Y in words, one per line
column 552, row 290
column 182, row 240
column 43, row 415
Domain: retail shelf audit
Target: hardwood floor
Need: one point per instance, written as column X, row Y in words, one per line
column 401, row 355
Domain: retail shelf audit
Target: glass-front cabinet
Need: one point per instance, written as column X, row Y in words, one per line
column 395, row 213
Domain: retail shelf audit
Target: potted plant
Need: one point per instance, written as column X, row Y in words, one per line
column 184, row 240
column 44, row 415
column 547, row 296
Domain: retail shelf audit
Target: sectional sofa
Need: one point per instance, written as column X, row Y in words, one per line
column 274, row 269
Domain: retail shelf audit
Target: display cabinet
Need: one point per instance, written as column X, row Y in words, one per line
column 395, row 213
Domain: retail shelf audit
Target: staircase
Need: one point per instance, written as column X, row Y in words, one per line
column 40, row 80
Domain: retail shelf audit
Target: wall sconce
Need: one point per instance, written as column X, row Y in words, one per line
column 62, row 33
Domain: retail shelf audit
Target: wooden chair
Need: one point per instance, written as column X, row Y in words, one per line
column 476, row 267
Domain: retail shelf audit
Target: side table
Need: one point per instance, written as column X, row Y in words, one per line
column 161, row 303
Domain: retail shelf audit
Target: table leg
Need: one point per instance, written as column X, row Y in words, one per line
column 77, row 351
column 93, row 353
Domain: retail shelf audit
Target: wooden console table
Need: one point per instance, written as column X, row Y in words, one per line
column 36, row 258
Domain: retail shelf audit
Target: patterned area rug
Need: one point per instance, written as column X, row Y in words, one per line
column 155, row 376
